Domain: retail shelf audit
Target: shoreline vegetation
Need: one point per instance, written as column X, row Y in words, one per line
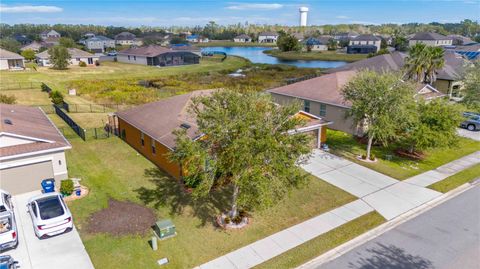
column 313, row 55
column 227, row 43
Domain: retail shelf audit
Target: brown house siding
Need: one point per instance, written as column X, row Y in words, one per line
column 160, row 158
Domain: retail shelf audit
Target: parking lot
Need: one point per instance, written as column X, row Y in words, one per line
column 63, row 251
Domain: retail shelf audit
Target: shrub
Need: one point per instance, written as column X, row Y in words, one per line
column 237, row 219
column 364, row 157
column 82, row 64
column 66, row 186
column 97, row 63
column 7, row 99
column 372, row 157
column 45, row 88
column 242, row 213
column 227, row 220
column 57, row 97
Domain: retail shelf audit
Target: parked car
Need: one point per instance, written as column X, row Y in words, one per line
column 8, row 224
column 50, row 215
column 7, row 262
column 112, row 53
column 472, row 121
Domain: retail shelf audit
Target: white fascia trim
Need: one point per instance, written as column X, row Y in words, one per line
column 33, row 153
column 26, row 137
column 21, row 163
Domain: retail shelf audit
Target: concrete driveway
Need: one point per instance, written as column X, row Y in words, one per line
column 475, row 135
column 65, row 250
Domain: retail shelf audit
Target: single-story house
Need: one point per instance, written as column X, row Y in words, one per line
column 459, row 40
column 76, row 56
column 31, row 149
column 148, row 128
column 98, row 43
column 430, row 39
column 157, row 56
column 49, row 34
column 345, row 36
column 317, row 44
column 127, row 39
column 35, row 46
column 11, row 60
column 322, row 97
column 243, row 38
column 448, row 78
column 471, row 51
column 267, row 37
column 197, row 39
column 364, row 44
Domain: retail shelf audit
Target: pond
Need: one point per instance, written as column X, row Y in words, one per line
column 256, row 55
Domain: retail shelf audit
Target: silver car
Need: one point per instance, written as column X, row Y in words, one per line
column 472, row 121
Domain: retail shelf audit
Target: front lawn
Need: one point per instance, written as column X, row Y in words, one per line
column 112, row 169
column 345, row 145
column 457, row 180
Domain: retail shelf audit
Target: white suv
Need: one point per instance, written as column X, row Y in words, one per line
column 50, row 215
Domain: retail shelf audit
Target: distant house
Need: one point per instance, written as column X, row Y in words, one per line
column 149, row 128
column 299, row 36
column 197, row 39
column 459, row 40
column 49, row 34
column 267, row 37
column 22, row 39
column 317, row 44
column 31, row 149
column 322, row 97
column 98, row 43
column 76, row 56
column 11, row 60
column 345, row 36
column 35, row 46
column 243, row 38
column 127, row 39
column 364, row 44
column 430, row 39
column 157, row 56
column 89, row 35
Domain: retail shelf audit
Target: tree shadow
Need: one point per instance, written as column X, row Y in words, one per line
column 390, row 257
column 168, row 192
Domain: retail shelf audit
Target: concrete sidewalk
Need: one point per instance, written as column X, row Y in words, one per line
column 276, row 244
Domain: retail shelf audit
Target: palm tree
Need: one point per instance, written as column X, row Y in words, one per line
column 435, row 62
column 423, row 61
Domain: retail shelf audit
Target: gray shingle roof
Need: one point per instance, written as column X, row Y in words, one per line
column 74, row 53
column 5, row 54
column 429, row 36
column 368, row 37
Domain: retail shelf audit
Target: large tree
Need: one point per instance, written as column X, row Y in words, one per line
column 471, row 86
column 423, row 61
column 246, row 147
column 28, row 54
column 10, row 44
column 287, row 42
column 59, row 57
column 67, row 42
column 379, row 104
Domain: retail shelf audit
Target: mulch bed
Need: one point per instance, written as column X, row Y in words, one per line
column 412, row 156
column 122, row 218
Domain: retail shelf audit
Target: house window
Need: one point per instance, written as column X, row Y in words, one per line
column 323, row 110
column 153, row 147
column 129, row 57
column 306, row 106
column 134, row 58
column 124, row 134
column 142, row 139
column 78, row 59
column 90, row 61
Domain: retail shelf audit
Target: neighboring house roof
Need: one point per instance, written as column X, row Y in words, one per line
column 299, row 36
column 454, row 66
column 429, row 36
column 324, row 89
column 98, row 38
column 33, row 46
column 242, row 36
column 159, row 119
column 48, row 31
column 427, row 92
column 29, row 123
column 125, row 36
column 268, row 34
column 317, row 41
column 74, row 53
column 147, row 51
column 53, row 40
column 8, row 55
column 461, row 39
column 368, row 37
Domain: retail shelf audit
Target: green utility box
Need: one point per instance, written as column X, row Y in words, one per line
column 165, row 229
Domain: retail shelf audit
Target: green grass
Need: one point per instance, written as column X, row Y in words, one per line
column 345, row 145
column 315, row 55
column 321, row 244
column 457, row 180
column 233, row 44
column 29, row 96
column 112, row 169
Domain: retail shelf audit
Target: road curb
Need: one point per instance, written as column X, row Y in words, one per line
column 367, row 236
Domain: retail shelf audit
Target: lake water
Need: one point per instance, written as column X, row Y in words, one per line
column 256, row 55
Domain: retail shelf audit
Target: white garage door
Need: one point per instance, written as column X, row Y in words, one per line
column 25, row 178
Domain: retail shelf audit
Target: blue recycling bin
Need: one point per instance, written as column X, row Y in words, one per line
column 48, row 185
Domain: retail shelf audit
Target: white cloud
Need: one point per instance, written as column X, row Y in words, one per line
column 342, row 17
column 254, row 6
column 29, row 9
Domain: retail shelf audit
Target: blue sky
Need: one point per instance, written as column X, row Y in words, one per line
column 190, row 12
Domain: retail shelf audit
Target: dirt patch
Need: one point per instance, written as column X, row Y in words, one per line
column 412, row 156
column 121, row 218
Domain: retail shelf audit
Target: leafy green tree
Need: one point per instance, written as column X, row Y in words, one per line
column 471, row 86
column 66, row 42
column 59, row 57
column 287, row 42
column 10, row 44
column 332, row 44
column 57, row 97
column 7, row 99
column 432, row 125
column 246, row 148
column 400, row 43
column 379, row 104
column 28, row 54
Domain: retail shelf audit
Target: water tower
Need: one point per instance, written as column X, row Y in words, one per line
column 303, row 16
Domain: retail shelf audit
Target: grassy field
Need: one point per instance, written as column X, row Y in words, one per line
column 234, row 44
column 112, row 169
column 457, row 180
column 323, row 55
column 345, row 145
column 321, row 244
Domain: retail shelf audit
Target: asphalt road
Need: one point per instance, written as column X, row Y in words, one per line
column 447, row 236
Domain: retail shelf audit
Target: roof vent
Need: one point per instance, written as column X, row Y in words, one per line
column 8, row 121
column 185, row 126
